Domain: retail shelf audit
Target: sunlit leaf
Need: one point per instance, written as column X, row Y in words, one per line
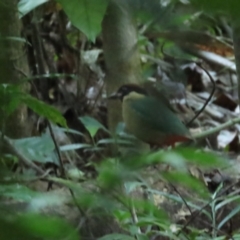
column 75, row 146
column 115, row 141
column 25, row 6
column 86, row 15
column 44, row 110
column 92, row 125
column 75, row 174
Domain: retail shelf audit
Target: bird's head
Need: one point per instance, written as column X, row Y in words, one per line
column 125, row 90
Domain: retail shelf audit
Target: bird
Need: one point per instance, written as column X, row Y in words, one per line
column 149, row 118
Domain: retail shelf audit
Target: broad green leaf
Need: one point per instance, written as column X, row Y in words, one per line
column 46, row 227
column 208, row 159
column 178, row 199
column 8, row 227
column 12, row 105
column 39, row 149
column 86, row 15
column 48, row 200
column 44, row 110
column 92, row 125
column 25, row 6
column 187, row 180
column 131, row 186
column 68, row 130
column 17, row 191
column 112, row 174
column 116, row 236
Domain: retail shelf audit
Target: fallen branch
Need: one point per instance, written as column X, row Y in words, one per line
column 217, row 129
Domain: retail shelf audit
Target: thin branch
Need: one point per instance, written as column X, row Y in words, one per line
column 180, row 195
column 217, row 129
column 20, row 156
column 209, row 98
column 63, row 174
column 210, row 77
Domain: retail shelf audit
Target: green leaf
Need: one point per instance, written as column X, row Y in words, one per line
column 112, row 174
column 71, row 147
column 86, row 15
column 235, row 211
column 9, row 98
column 44, row 110
column 75, row 174
column 25, row 6
column 116, row 236
column 40, row 149
column 204, row 159
column 8, row 232
column 213, row 6
column 17, row 39
column 92, row 125
column 46, row 227
column 186, row 180
column 115, row 141
column 17, row 192
column 12, row 105
column 47, row 200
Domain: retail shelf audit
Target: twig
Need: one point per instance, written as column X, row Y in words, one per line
column 210, row 77
column 20, row 156
column 180, row 195
column 217, row 129
column 49, row 126
column 209, row 98
column 63, row 174
column 211, row 58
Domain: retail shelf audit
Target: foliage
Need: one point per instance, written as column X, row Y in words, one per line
column 86, row 15
column 12, row 97
column 120, row 187
column 26, row 6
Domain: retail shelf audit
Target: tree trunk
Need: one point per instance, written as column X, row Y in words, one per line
column 120, row 52
column 13, row 63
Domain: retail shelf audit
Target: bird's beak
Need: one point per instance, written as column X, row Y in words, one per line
column 115, row 95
